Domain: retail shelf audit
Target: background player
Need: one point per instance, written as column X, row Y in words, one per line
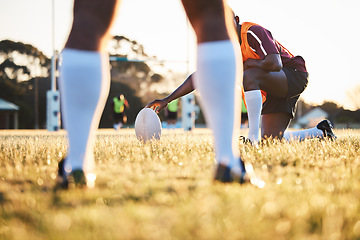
column 171, row 113
column 118, row 106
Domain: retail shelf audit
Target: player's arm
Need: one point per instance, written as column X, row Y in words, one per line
column 262, row 42
column 186, row 87
column 271, row 63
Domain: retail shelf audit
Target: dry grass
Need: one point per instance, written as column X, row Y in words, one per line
column 164, row 189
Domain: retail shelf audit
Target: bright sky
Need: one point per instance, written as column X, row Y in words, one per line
column 322, row 31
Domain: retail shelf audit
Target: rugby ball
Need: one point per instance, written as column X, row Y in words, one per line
column 147, row 125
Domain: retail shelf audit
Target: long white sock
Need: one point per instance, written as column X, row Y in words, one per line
column 303, row 134
column 84, row 87
column 218, row 80
column 254, row 105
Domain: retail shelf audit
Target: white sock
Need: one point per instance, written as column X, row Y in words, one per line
column 84, row 87
column 254, row 105
column 303, row 134
column 218, row 80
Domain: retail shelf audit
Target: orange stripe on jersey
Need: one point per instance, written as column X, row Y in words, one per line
column 247, row 52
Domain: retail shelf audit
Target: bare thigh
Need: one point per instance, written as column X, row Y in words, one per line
column 207, row 17
column 274, row 83
column 92, row 22
column 274, row 124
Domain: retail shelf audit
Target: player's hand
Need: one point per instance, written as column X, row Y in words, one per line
column 157, row 105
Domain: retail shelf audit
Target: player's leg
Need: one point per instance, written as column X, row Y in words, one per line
column 254, row 106
column 276, row 124
column 322, row 130
column 273, row 125
column 85, row 80
column 274, row 83
column 303, row 134
column 211, row 20
column 121, row 121
column 270, row 82
column 218, row 75
column 116, row 120
column 277, row 103
column 92, row 22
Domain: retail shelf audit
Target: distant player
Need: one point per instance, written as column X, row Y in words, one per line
column 118, row 106
column 244, row 116
column 172, row 113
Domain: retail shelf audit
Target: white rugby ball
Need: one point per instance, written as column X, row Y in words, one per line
column 147, row 125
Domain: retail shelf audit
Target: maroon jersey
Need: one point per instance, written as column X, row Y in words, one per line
column 262, row 43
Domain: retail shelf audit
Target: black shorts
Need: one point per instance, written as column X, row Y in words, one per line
column 172, row 115
column 297, row 82
column 119, row 118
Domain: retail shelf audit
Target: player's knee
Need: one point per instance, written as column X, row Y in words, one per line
column 251, row 79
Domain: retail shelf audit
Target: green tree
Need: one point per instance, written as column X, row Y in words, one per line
column 25, row 79
column 21, row 66
column 135, row 68
column 330, row 107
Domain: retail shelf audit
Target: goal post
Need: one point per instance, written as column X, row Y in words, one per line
column 53, row 100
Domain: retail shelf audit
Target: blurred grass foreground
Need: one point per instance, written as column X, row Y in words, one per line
column 164, row 189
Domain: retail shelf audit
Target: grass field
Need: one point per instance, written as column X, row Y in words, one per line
column 164, row 189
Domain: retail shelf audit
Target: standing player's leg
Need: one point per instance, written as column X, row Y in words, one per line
column 218, row 79
column 84, row 84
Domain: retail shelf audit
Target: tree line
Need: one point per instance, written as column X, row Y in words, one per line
column 25, row 79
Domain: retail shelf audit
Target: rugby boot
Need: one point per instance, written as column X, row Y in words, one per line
column 246, row 174
column 245, row 140
column 327, row 127
column 76, row 178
